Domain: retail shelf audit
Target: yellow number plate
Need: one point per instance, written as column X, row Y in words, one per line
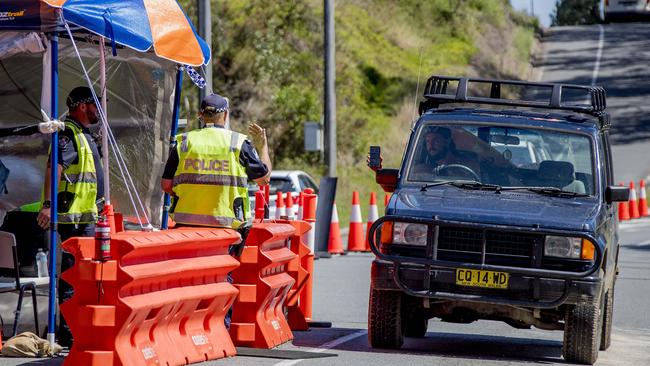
column 480, row 278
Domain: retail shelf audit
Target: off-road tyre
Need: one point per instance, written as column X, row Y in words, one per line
column 416, row 326
column 385, row 326
column 608, row 312
column 582, row 328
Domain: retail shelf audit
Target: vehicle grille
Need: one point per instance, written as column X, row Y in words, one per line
column 501, row 247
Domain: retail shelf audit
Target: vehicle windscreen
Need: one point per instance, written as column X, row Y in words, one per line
column 502, row 156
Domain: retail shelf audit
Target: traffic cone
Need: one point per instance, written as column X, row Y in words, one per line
column 643, row 202
column 623, row 210
column 373, row 215
column 334, row 245
column 279, row 206
column 633, row 204
column 289, row 204
column 386, row 199
column 300, row 199
column 355, row 235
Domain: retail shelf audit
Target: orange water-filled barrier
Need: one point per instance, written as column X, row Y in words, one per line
column 258, row 318
column 160, row 299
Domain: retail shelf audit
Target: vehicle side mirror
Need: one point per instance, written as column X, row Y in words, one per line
column 387, row 179
column 617, row 194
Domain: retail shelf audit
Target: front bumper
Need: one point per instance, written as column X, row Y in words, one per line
column 429, row 277
column 525, row 291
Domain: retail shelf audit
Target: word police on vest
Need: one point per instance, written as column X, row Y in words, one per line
column 209, row 165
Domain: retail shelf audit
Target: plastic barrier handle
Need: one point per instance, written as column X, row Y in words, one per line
column 244, row 230
column 297, row 290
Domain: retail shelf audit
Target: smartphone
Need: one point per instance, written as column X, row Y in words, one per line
column 375, row 157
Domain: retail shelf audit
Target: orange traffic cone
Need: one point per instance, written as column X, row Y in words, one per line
column 300, row 199
column 634, row 204
column 373, row 215
column 355, row 235
column 289, row 204
column 386, row 199
column 623, row 209
column 279, row 206
column 334, row 245
column 643, row 202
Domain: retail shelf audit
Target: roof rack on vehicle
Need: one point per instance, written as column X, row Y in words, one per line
column 576, row 98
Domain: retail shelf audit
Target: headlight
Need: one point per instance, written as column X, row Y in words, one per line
column 563, row 247
column 411, row 234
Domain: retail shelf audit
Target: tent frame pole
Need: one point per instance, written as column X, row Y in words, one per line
column 105, row 152
column 172, row 138
column 54, row 187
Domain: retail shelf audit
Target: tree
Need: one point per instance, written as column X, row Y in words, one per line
column 575, row 12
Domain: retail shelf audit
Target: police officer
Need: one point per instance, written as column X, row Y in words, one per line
column 208, row 169
column 81, row 188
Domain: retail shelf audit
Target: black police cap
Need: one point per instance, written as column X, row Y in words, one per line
column 214, row 103
column 79, row 95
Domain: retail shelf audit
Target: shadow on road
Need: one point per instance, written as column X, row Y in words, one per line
column 638, row 247
column 456, row 345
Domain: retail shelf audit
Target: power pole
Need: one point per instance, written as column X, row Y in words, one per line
column 329, row 92
column 532, row 8
column 205, row 32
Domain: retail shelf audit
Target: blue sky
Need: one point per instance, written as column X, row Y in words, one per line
column 543, row 8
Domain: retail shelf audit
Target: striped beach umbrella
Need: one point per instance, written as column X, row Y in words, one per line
column 143, row 25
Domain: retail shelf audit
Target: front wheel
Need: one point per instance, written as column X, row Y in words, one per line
column 582, row 328
column 385, row 326
column 608, row 312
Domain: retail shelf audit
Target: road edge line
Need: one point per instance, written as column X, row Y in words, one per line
column 599, row 54
column 325, row 346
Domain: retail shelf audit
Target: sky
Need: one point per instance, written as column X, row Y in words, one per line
column 543, row 8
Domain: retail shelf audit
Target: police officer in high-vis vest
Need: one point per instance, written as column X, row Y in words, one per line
column 208, row 169
column 81, row 188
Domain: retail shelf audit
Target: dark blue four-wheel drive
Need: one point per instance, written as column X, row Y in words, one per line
column 503, row 213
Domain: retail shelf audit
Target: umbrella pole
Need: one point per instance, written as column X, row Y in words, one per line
column 54, row 182
column 172, row 137
column 102, row 85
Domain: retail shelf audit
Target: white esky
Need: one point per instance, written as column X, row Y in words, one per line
column 543, row 8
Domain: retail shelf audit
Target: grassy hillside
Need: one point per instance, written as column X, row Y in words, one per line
column 268, row 59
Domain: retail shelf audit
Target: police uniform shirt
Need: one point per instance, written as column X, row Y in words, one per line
column 68, row 154
column 248, row 158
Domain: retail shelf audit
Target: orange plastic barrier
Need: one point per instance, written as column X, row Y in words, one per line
column 258, row 318
column 160, row 300
column 299, row 299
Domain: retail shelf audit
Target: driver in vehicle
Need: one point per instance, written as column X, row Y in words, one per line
column 443, row 158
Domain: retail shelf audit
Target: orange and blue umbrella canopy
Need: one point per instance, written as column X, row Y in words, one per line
column 141, row 25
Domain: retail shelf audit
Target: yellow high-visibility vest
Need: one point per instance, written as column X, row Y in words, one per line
column 80, row 180
column 209, row 178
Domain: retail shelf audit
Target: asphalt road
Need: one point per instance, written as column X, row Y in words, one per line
column 614, row 56
column 342, row 283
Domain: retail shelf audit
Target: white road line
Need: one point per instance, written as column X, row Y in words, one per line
column 324, row 347
column 599, row 54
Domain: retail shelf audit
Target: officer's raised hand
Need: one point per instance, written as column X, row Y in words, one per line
column 258, row 135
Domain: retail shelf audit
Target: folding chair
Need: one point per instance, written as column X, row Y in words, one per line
column 9, row 260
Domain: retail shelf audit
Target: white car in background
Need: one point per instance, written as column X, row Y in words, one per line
column 620, row 9
column 294, row 181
